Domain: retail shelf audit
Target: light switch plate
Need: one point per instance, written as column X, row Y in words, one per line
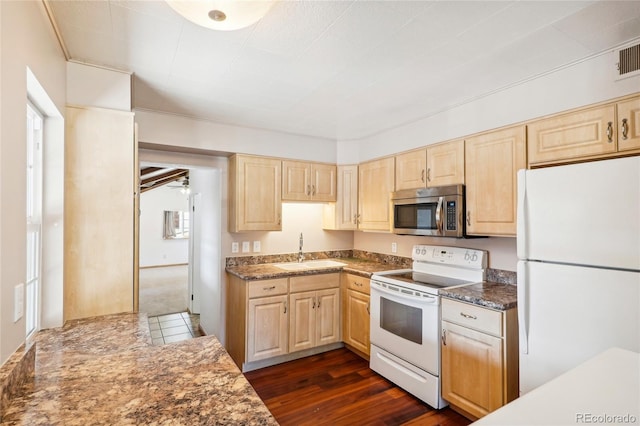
column 245, row 247
column 394, row 248
column 256, row 247
column 235, row 247
column 18, row 302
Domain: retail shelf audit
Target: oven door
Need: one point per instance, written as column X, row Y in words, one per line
column 406, row 325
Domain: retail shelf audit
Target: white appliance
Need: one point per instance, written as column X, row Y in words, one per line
column 578, row 245
column 405, row 316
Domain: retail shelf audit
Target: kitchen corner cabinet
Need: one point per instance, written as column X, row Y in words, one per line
column 304, row 181
column 376, row 182
column 492, row 161
column 355, row 312
column 255, row 202
column 343, row 214
column 590, row 133
column 436, row 165
column 315, row 311
column 479, row 357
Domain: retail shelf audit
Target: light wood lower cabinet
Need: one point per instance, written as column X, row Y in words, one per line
column 479, row 357
column 267, row 327
column 315, row 319
column 355, row 312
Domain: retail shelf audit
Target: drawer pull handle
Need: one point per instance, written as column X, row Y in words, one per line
column 444, row 337
column 610, row 132
column 285, row 307
column 368, row 311
column 273, row 287
column 468, row 316
column 358, row 284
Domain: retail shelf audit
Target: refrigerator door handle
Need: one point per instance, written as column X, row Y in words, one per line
column 523, row 306
column 521, row 216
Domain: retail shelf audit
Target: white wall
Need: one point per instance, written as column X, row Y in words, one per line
column 581, row 84
column 182, row 132
column 154, row 249
column 27, row 41
column 99, row 87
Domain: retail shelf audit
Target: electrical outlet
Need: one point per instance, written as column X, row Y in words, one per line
column 245, row 247
column 394, row 248
column 235, row 247
column 256, row 246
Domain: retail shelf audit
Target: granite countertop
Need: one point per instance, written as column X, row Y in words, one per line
column 489, row 294
column 104, row 371
column 264, row 271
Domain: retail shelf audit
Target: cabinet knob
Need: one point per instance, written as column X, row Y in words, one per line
column 625, row 129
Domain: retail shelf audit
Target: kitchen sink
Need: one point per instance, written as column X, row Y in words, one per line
column 309, row 264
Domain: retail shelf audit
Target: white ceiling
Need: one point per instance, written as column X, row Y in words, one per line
column 338, row 69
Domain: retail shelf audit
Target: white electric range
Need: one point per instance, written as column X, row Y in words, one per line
column 405, row 316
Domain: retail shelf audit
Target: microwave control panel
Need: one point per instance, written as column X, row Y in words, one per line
column 451, row 216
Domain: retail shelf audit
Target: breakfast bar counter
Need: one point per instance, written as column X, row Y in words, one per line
column 104, row 371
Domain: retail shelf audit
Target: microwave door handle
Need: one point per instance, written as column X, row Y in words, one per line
column 440, row 215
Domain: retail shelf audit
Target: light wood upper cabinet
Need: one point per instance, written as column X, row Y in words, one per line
column 375, row 184
column 491, row 164
column 445, row 164
column 479, row 357
column 629, row 124
column 99, row 214
column 304, row 181
column 436, row 165
column 255, row 202
column 576, row 135
column 343, row 214
column 411, row 170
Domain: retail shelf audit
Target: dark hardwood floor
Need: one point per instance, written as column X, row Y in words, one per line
column 338, row 388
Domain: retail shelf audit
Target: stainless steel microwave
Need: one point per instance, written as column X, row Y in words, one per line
column 437, row 212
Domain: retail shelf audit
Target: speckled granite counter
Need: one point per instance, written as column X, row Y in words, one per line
column 488, row 294
column 267, row 271
column 104, row 371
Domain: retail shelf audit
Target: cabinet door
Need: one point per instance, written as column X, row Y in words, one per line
column 267, row 327
column 445, row 164
column 491, row 164
column 343, row 214
column 255, row 202
column 411, row 170
column 323, row 182
column 327, row 316
column 629, row 124
column 356, row 321
column 296, row 181
column 572, row 136
column 375, row 184
column 302, row 324
column 472, row 369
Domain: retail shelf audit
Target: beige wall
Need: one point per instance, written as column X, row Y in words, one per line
column 27, row 40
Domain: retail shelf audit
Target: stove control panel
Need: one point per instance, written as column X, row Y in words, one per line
column 453, row 256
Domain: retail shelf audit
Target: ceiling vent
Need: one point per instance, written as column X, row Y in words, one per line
column 628, row 62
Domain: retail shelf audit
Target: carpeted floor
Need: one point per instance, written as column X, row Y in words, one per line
column 164, row 290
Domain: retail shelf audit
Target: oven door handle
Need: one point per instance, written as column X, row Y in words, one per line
column 426, row 298
column 440, row 216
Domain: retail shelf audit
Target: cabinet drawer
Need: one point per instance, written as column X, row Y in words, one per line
column 268, row 287
column 471, row 316
column 357, row 283
column 314, row 282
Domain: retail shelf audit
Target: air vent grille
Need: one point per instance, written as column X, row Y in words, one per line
column 629, row 61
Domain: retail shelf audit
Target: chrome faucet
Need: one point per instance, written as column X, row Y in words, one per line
column 300, row 254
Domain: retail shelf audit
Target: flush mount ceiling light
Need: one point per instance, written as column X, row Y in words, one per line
column 225, row 15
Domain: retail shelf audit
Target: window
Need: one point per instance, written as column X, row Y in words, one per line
column 34, row 217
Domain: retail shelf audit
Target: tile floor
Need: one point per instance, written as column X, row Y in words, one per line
column 174, row 327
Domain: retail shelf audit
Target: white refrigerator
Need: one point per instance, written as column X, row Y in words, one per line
column 578, row 244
